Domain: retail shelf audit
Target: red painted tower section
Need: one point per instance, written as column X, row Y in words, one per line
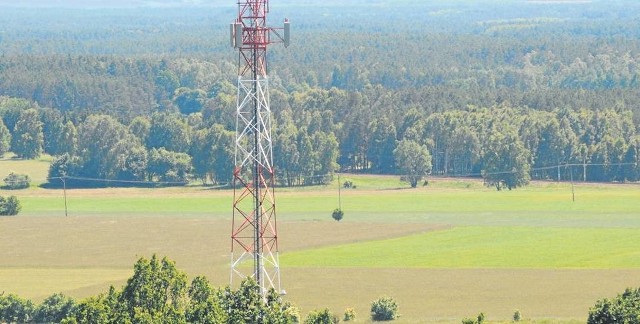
column 254, row 236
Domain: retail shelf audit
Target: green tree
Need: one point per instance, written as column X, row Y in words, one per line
column 384, row 309
column 506, row 161
column 246, row 305
column 68, row 141
column 27, row 139
column 5, row 139
column 52, row 130
column 97, row 137
column 625, row 308
column 140, row 127
column 63, row 166
column 212, row 152
column 286, row 156
column 326, row 147
column 169, row 166
column 9, row 206
column 14, row 309
column 413, row 161
column 169, row 131
column 224, row 152
column 92, row 310
column 204, row 303
column 631, row 169
column 157, row 292
column 321, row 317
column 337, row 214
column 189, row 101
column 383, row 142
column 54, row 309
column 127, row 160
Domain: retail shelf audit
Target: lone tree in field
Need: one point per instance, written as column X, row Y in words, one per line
column 413, row 161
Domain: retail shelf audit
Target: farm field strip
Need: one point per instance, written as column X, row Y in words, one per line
column 484, row 247
column 544, row 204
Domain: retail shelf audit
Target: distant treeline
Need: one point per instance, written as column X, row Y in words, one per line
column 485, row 86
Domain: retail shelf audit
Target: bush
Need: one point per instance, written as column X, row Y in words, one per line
column 384, row 309
column 54, row 309
column 16, row 181
column 321, row 317
column 517, row 316
column 479, row 320
column 625, row 308
column 349, row 314
column 9, row 206
column 337, row 214
column 14, row 309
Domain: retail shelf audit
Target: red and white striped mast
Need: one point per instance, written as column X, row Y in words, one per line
column 254, row 233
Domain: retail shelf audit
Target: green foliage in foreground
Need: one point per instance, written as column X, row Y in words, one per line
column 156, row 293
column 625, row 308
column 321, row 317
column 485, row 247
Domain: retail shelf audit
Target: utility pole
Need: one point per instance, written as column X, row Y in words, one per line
column 254, row 233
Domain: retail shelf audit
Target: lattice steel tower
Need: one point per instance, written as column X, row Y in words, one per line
column 254, row 233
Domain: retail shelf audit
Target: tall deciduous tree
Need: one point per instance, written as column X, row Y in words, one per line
column 383, row 142
column 28, row 140
column 204, row 303
column 5, row 139
column 506, row 161
column 97, row 136
column 413, row 161
column 169, row 166
column 68, row 142
column 157, row 292
column 140, row 127
column 52, row 129
column 127, row 160
column 168, row 131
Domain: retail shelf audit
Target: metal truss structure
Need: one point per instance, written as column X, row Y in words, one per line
column 254, row 235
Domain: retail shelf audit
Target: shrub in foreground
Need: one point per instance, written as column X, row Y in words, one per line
column 479, row 320
column 349, row 314
column 158, row 293
column 321, row 317
column 625, row 308
column 384, row 309
column 14, row 309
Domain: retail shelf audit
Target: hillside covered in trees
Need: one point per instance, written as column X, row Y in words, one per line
column 481, row 87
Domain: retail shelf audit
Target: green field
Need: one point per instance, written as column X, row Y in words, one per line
column 486, row 248
column 445, row 251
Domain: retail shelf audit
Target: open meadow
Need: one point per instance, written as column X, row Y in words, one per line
column 445, row 251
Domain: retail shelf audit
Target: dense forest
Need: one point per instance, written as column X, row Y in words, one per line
column 503, row 90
